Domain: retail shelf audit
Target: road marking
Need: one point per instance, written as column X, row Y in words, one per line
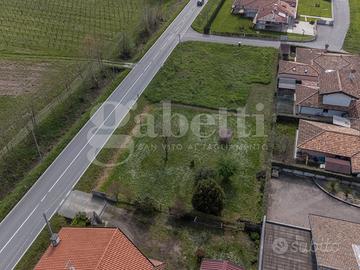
column 32, row 212
column 156, row 55
column 147, row 67
column 87, row 142
column 43, row 198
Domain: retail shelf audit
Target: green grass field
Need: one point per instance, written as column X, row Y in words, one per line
column 352, row 41
column 310, row 8
column 212, row 75
column 226, row 23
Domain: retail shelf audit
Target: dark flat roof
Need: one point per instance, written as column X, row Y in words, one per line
column 287, row 247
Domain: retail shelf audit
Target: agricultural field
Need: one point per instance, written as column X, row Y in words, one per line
column 27, row 86
column 318, row 8
column 52, row 71
column 352, row 41
column 50, row 27
column 145, row 169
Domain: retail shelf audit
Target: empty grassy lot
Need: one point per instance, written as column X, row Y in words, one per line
column 226, row 23
column 318, row 8
column 146, row 173
column 352, row 41
column 63, row 27
column 211, row 75
column 143, row 172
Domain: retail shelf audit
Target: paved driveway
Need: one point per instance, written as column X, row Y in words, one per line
column 292, row 199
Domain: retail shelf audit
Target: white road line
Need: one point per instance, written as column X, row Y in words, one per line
column 87, row 142
column 156, row 55
column 43, row 198
column 147, row 66
column 32, row 212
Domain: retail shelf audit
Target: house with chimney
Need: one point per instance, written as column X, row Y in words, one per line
column 95, row 249
column 272, row 15
column 322, row 83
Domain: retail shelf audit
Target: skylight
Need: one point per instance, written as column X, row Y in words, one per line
column 356, row 249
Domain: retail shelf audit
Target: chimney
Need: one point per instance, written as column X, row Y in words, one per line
column 70, row 266
column 327, row 48
column 352, row 75
column 54, row 238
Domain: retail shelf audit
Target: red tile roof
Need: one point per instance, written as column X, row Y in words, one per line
column 333, row 73
column 95, row 249
column 208, row 264
column 330, row 139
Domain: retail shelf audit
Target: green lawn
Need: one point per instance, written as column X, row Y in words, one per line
column 226, row 23
column 212, row 75
column 352, row 41
column 318, row 8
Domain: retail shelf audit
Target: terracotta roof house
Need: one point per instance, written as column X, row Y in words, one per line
column 207, row 264
column 344, row 237
column 323, row 83
column 274, row 15
column 337, row 147
column 95, row 249
column 328, row 244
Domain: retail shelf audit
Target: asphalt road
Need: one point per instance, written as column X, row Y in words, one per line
column 21, row 227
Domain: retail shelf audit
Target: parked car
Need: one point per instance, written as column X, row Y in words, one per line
column 200, row 3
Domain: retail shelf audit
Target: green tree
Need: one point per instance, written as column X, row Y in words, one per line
column 208, row 197
column 227, row 168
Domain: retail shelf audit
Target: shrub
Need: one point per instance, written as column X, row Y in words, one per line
column 200, row 255
column 208, row 197
column 226, row 168
column 179, row 208
column 204, row 173
column 81, row 220
column 146, row 205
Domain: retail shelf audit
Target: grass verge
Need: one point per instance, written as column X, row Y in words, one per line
column 352, row 40
column 42, row 242
column 60, row 127
column 205, row 15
